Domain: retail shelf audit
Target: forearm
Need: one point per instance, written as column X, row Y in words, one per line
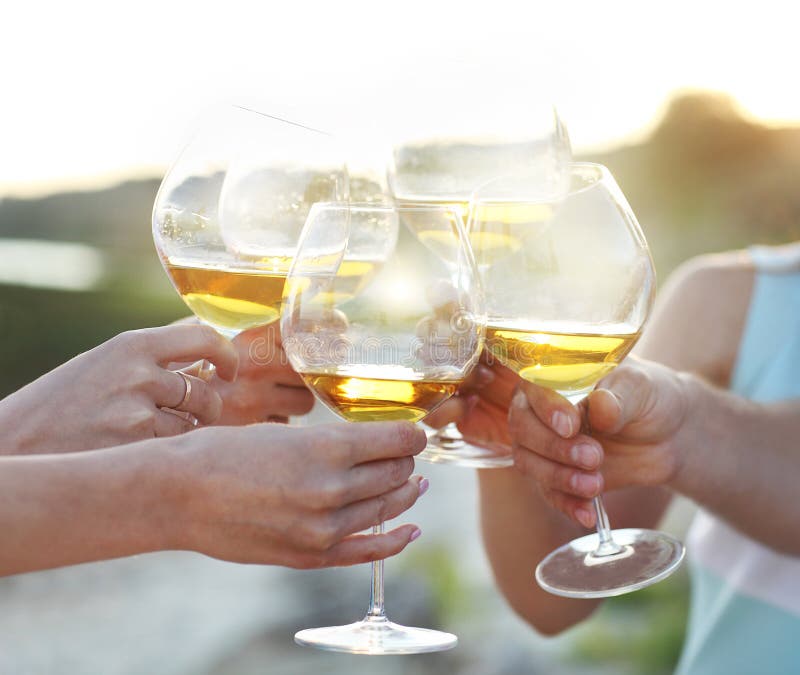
column 60, row 510
column 519, row 529
column 741, row 460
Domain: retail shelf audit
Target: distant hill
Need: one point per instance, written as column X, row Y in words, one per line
column 114, row 217
column 710, row 179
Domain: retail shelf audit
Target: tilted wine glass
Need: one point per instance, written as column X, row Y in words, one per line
column 393, row 347
column 563, row 310
column 230, row 209
column 444, row 164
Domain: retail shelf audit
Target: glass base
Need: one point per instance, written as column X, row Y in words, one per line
column 376, row 636
column 447, row 446
column 642, row 558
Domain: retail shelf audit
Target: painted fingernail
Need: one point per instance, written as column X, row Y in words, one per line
column 424, row 484
column 415, row 535
column 562, row 424
column 584, row 517
column 520, row 400
column 585, row 455
column 587, row 486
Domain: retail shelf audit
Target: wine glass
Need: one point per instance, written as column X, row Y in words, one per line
column 230, row 209
column 394, row 347
column 563, row 310
column 445, row 164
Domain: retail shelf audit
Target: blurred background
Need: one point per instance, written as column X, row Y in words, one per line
column 691, row 106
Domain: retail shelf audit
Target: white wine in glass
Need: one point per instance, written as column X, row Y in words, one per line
column 395, row 350
column 562, row 311
column 444, row 166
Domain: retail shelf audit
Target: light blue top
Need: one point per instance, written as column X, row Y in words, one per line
column 745, row 607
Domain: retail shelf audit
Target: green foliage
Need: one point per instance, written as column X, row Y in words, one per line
column 438, row 565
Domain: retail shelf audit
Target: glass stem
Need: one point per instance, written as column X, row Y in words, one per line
column 606, row 544
column 376, row 611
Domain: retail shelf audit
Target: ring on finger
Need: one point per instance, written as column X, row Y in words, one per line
column 188, row 391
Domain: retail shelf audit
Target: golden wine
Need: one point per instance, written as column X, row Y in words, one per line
column 234, row 299
column 358, row 398
column 230, row 298
column 496, row 229
column 351, row 278
column 569, row 362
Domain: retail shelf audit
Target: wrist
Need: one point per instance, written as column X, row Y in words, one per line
column 185, row 490
column 704, row 442
column 169, row 495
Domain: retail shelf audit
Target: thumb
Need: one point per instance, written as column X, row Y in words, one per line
column 620, row 399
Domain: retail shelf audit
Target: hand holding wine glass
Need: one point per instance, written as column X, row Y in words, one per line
column 625, row 433
column 120, row 392
column 266, row 388
column 563, row 310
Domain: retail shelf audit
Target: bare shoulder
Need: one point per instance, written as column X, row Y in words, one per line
column 700, row 315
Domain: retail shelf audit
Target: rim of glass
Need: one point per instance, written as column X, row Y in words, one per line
column 387, row 206
column 593, row 172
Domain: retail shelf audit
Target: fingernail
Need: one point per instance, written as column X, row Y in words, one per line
column 424, row 484
column 562, row 424
column 585, row 455
column 520, row 400
column 586, row 486
column 415, row 535
column 585, row 517
column 483, row 375
column 616, row 400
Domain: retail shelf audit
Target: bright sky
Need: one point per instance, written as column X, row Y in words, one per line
column 93, row 91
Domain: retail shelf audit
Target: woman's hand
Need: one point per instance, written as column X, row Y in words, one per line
column 118, row 393
column 630, row 424
column 274, row 494
column 266, row 494
column 266, row 388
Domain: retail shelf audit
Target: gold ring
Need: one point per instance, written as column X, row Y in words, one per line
column 186, row 394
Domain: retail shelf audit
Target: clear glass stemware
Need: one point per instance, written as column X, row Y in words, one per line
column 443, row 161
column 392, row 347
column 230, row 209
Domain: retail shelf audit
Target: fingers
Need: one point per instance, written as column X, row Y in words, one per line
column 579, row 510
column 376, row 478
column 169, row 423
column 560, row 477
column 361, row 548
column 376, row 510
column 550, row 407
column 370, row 441
column 275, row 400
column 454, row 409
column 529, row 432
column 186, row 393
column 185, row 342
